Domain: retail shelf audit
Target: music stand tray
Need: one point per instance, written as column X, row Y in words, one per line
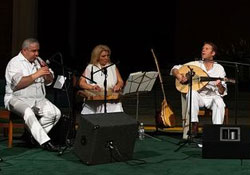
column 140, row 82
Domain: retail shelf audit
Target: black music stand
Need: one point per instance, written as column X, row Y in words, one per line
column 189, row 140
column 140, row 82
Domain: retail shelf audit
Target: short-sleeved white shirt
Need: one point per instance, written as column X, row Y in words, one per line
column 216, row 71
column 17, row 68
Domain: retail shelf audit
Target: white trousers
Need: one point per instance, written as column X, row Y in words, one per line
column 48, row 115
column 215, row 103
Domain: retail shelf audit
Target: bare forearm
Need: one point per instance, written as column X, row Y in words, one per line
column 120, row 84
column 85, row 85
column 25, row 81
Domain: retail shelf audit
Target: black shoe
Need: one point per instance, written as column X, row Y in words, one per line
column 50, row 147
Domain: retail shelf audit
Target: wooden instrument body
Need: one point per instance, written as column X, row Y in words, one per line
column 95, row 95
column 165, row 117
column 199, row 80
column 196, row 84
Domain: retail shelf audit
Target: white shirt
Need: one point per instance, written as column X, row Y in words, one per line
column 216, row 71
column 17, row 68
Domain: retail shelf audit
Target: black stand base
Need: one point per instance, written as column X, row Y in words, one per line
column 69, row 145
column 189, row 141
column 70, row 136
column 183, row 143
column 152, row 137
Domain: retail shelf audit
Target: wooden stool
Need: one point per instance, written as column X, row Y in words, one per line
column 208, row 113
column 9, row 120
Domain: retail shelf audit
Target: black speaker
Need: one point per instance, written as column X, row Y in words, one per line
column 105, row 138
column 226, row 141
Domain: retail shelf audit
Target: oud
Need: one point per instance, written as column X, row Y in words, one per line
column 166, row 116
column 199, row 80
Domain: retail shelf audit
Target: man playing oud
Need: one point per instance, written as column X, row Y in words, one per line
column 210, row 96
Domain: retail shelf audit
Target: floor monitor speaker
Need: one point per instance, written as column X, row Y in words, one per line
column 105, row 138
column 226, row 141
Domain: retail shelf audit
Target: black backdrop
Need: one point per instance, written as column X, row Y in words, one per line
column 175, row 29
column 130, row 29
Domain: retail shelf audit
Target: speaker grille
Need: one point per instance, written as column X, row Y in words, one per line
column 97, row 132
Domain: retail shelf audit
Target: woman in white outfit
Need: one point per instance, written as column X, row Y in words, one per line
column 100, row 58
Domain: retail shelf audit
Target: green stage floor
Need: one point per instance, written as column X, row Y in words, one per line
column 150, row 156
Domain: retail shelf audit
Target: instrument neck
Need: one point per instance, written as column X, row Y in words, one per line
column 210, row 79
column 158, row 69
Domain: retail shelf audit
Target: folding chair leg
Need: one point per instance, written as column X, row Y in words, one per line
column 226, row 116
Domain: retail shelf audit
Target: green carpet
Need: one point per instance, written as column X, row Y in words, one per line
column 159, row 157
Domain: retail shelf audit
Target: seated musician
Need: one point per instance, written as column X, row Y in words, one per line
column 100, row 58
column 209, row 96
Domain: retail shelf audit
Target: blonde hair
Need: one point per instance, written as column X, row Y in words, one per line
column 96, row 52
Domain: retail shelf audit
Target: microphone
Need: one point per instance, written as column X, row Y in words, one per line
column 47, row 62
column 51, row 59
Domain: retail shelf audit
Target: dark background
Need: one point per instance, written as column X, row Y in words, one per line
column 175, row 30
column 130, row 29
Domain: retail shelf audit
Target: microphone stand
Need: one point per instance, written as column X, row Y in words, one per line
column 105, row 90
column 68, row 141
column 71, row 129
column 190, row 82
column 104, row 70
column 236, row 65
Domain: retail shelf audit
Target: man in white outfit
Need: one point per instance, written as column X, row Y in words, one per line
column 211, row 95
column 26, row 76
